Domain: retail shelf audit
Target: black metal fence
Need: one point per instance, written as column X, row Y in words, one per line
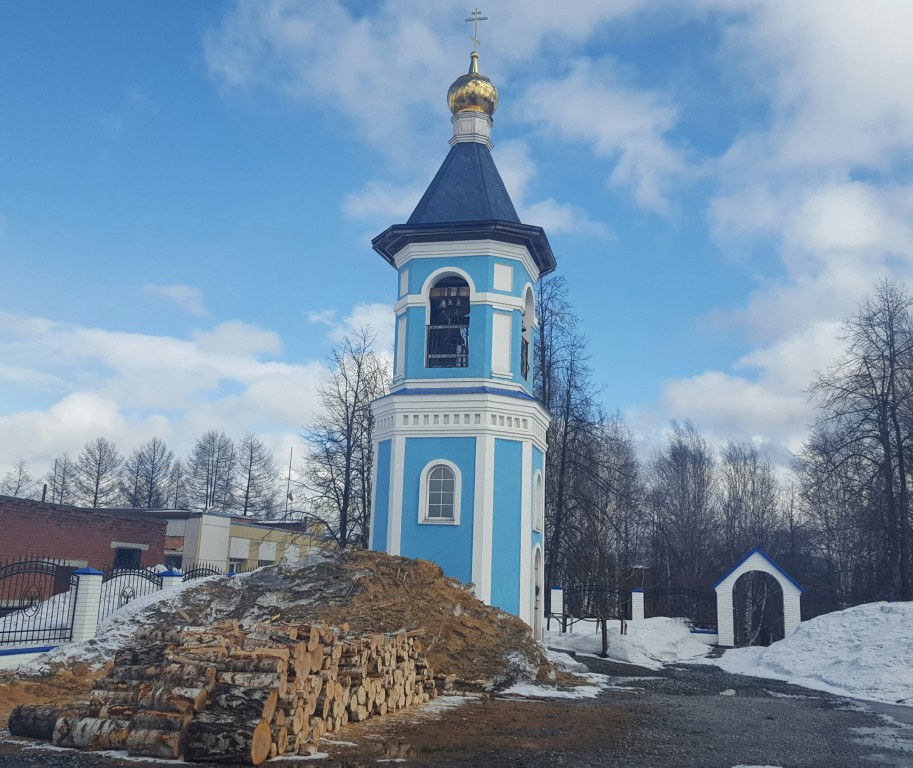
column 591, row 601
column 120, row 586
column 698, row 606
column 202, row 570
column 37, row 601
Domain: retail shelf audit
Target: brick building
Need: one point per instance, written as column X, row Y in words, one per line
column 97, row 538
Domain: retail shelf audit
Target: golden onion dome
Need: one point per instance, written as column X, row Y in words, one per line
column 473, row 91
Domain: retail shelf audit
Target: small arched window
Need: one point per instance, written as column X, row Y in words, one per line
column 440, row 493
column 448, row 324
column 441, row 486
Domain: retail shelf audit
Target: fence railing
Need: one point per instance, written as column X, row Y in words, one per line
column 121, row 586
column 41, row 603
column 37, row 601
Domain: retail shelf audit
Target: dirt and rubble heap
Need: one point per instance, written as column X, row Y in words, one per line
column 475, row 644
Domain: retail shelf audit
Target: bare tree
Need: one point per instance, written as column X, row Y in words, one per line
column 211, row 466
column 18, row 481
column 338, row 465
column 97, row 473
column 61, row 479
column 865, row 403
column 257, row 490
column 177, row 489
column 145, row 475
column 682, row 502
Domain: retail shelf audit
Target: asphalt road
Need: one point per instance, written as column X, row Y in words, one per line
column 683, row 717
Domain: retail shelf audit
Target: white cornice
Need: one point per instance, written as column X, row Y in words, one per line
column 461, row 382
column 497, row 300
column 389, row 412
column 451, row 248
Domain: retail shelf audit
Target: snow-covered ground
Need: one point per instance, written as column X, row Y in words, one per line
column 649, row 642
column 864, row 652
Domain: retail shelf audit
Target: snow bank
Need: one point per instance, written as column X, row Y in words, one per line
column 649, row 642
column 865, row 652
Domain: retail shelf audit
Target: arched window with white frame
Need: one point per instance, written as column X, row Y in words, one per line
column 538, row 503
column 440, row 493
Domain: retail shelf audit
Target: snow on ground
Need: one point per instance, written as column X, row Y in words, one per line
column 113, row 633
column 864, row 652
column 649, row 643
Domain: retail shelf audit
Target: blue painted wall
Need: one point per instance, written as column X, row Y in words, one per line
column 381, row 496
column 506, row 531
column 450, row 546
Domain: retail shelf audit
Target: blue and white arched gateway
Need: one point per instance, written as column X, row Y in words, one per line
column 460, row 441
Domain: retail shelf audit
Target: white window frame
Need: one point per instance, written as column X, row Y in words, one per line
column 538, row 501
column 423, row 518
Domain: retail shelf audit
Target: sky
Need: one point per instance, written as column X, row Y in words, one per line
column 188, row 191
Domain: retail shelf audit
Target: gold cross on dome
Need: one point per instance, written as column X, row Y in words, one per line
column 475, row 19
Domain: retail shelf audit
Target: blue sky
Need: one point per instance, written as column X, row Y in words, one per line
column 188, row 191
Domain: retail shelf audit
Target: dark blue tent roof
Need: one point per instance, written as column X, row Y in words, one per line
column 467, row 187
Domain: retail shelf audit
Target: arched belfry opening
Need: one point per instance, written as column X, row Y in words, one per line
column 528, row 320
column 448, row 324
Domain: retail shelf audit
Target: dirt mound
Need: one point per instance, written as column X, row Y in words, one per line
column 373, row 592
column 64, row 686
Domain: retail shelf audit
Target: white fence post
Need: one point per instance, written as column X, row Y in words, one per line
column 88, row 602
column 171, row 580
column 637, row 604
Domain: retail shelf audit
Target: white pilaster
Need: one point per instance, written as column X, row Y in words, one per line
column 483, row 517
column 526, row 576
column 171, row 580
column 395, row 510
column 88, row 602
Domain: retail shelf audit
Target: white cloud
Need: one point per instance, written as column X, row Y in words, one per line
column 378, row 317
column 383, row 202
column 624, row 125
column 518, row 170
column 187, row 298
column 130, row 386
column 235, row 338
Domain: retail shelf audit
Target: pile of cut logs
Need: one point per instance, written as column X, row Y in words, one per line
column 226, row 694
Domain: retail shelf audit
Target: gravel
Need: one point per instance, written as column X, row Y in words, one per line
column 687, row 716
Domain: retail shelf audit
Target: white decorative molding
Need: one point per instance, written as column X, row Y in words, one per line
column 466, row 415
column 501, row 336
column 430, row 383
column 503, row 278
column 403, row 282
column 497, row 300
column 456, row 248
column 423, row 517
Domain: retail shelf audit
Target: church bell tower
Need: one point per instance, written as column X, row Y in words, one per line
column 459, row 443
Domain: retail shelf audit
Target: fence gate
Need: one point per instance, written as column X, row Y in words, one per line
column 37, row 602
column 696, row 605
column 120, row 586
